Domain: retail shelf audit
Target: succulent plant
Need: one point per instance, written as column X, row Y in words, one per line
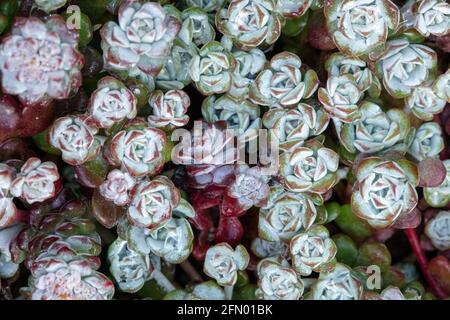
column 384, row 190
column 56, row 75
column 8, row 267
column 139, row 44
column 439, row 196
column 266, row 249
column 117, row 187
column 376, row 131
column 196, row 27
column 359, row 27
column 286, row 214
column 277, row 281
column 441, row 86
column 337, row 284
column 293, row 126
column 212, row 69
column 283, row 82
column 49, row 5
column 36, row 181
column 340, row 98
column 207, row 290
column 429, row 17
column 209, row 6
column 312, row 250
column 438, row 230
column 310, row 168
column 427, row 143
column 75, row 137
column 111, row 103
column 250, row 23
column 8, row 210
column 405, row 66
column 169, row 109
column 423, row 102
column 295, row 8
column 241, row 116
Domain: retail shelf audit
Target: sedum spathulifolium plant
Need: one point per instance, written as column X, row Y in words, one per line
column 224, row 149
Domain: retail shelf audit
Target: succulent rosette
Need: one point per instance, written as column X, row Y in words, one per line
column 242, row 116
column 248, row 65
column 376, row 131
column 8, row 209
column 212, row 69
column 75, row 137
column 361, row 26
column 175, row 72
column 340, row 98
column 442, row 86
column 337, row 284
column 312, row 250
column 39, row 61
column 222, row 263
column 139, row 150
column 8, row 267
column 50, row 5
column 55, row 278
column 152, row 203
column 294, row 8
column 438, row 230
column 36, row 181
column 286, row 214
column 117, row 187
column 384, row 190
column 111, row 103
column 339, row 64
column 283, row 82
column 196, row 27
column 292, row 127
column 430, row 17
column 209, row 6
column 130, row 269
column 139, row 44
column 277, row 281
column 266, row 249
column 310, row 168
column 439, row 196
column 405, row 66
column 169, row 109
column 427, row 143
column 250, row 23
column 423, row 102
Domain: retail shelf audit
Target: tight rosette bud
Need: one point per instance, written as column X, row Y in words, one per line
column 312, row 250
column 36, row 181
column 175, row 72
column 376, row 131
column 338, row 284
column 405, row 66
column 286, row 214
column 8, row 209
column 75, row 137
column 427, row 142
column 196, row 27
column 242, row 116
column 293, row 126
column 248, row 65
column 277, row 281
column 439, row 196
column 283, row 83
column 222, row 263
column 139, row 150
column 424, row 103
column 138, row 45
column 384, row 190
column 438, row 230
column 361, row 26
column 340, row 98
column 431, row 17
column 55, row 278
column 50, row 5
column 130, row 269
column 250, row 23
column 152, row 203
column 169, row 109
column 310, row 168
column 40, row 61
column 339, row 64
column 212, row 69
column 112, row 102
column 266, row 249
column 117, row 187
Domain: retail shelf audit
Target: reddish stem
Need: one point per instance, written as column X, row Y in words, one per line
column 423, row 263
